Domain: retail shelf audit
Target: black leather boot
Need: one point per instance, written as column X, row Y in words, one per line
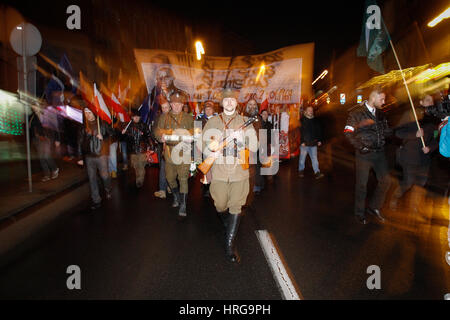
column 182, row 211
column 176, row 197
column 230, row 237
column 223, row 218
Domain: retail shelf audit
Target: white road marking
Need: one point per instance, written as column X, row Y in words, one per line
column 285, row 284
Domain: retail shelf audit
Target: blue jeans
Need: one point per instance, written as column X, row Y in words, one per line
column 312, row 151
column 123, row 149
column 112, row 157
column 100, row 164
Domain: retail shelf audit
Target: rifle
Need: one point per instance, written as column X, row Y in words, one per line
column 206, row 165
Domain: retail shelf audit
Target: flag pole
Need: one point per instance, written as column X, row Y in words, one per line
column 407, row 90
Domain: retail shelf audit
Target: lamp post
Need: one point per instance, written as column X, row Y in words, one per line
column 26, row 41
column 199, row 49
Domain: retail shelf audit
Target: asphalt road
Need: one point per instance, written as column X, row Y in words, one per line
column 134, row 247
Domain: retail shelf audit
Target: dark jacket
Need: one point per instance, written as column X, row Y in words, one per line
column 39, row 131
column 365, row 137
column 138, row 137
column 266, row 125
column 410, row 152
column 310, row 131
column 88, row 143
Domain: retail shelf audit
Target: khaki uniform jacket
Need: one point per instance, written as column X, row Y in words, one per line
column 220, row 169
column 170, row 123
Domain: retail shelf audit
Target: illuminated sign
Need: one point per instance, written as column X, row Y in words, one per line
column 342, row 98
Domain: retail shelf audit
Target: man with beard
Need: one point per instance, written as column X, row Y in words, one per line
column 230, row 180
column 252, row 110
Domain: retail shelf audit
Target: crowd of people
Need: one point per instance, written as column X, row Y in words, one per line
column 171, row 136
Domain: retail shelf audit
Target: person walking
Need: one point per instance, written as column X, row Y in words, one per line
column 177, row 154
column 367, row 129
column 208, row 113
column 230, row 180
column 138, row 137
column 163, row 185
column 310, row 139
column 414, row 158
column 93, row 143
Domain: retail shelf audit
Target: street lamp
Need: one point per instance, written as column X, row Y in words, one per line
column 262, row 69
column 439, row 18
column 322, row 75
column 199, row 49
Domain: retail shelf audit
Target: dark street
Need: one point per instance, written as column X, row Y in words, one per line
column 134, row 247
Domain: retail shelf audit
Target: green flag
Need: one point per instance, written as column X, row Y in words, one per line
column 374, row 36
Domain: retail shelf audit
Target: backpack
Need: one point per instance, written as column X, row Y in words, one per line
column 444, row 142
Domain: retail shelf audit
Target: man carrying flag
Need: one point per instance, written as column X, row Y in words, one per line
column 94, row 146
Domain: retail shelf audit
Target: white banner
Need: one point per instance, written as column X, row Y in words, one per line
column 280, row 82
column 282, row 76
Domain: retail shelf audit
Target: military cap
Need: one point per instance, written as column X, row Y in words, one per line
column 230, row 93
column 135, row 112
column 177, row 96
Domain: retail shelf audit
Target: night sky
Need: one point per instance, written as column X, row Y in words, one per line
column 332, row 25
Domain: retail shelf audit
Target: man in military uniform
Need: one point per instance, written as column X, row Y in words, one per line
column 230, row 180
column 177, row 154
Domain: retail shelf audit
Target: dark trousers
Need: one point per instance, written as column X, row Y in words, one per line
column 101, row 164
column 412, row 175
column 259, row 179
column 162, row 170
column 365, row 162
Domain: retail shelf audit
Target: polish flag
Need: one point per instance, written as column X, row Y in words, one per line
column 113, row 103
column 264, row 103
column 116, row 106
column 100, row 105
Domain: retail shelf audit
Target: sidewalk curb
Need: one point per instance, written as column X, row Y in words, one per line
column 13, row 213
column 14, row 236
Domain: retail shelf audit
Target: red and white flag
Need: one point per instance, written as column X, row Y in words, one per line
column 115, row 104
column 102, row 109
column 264, row 102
